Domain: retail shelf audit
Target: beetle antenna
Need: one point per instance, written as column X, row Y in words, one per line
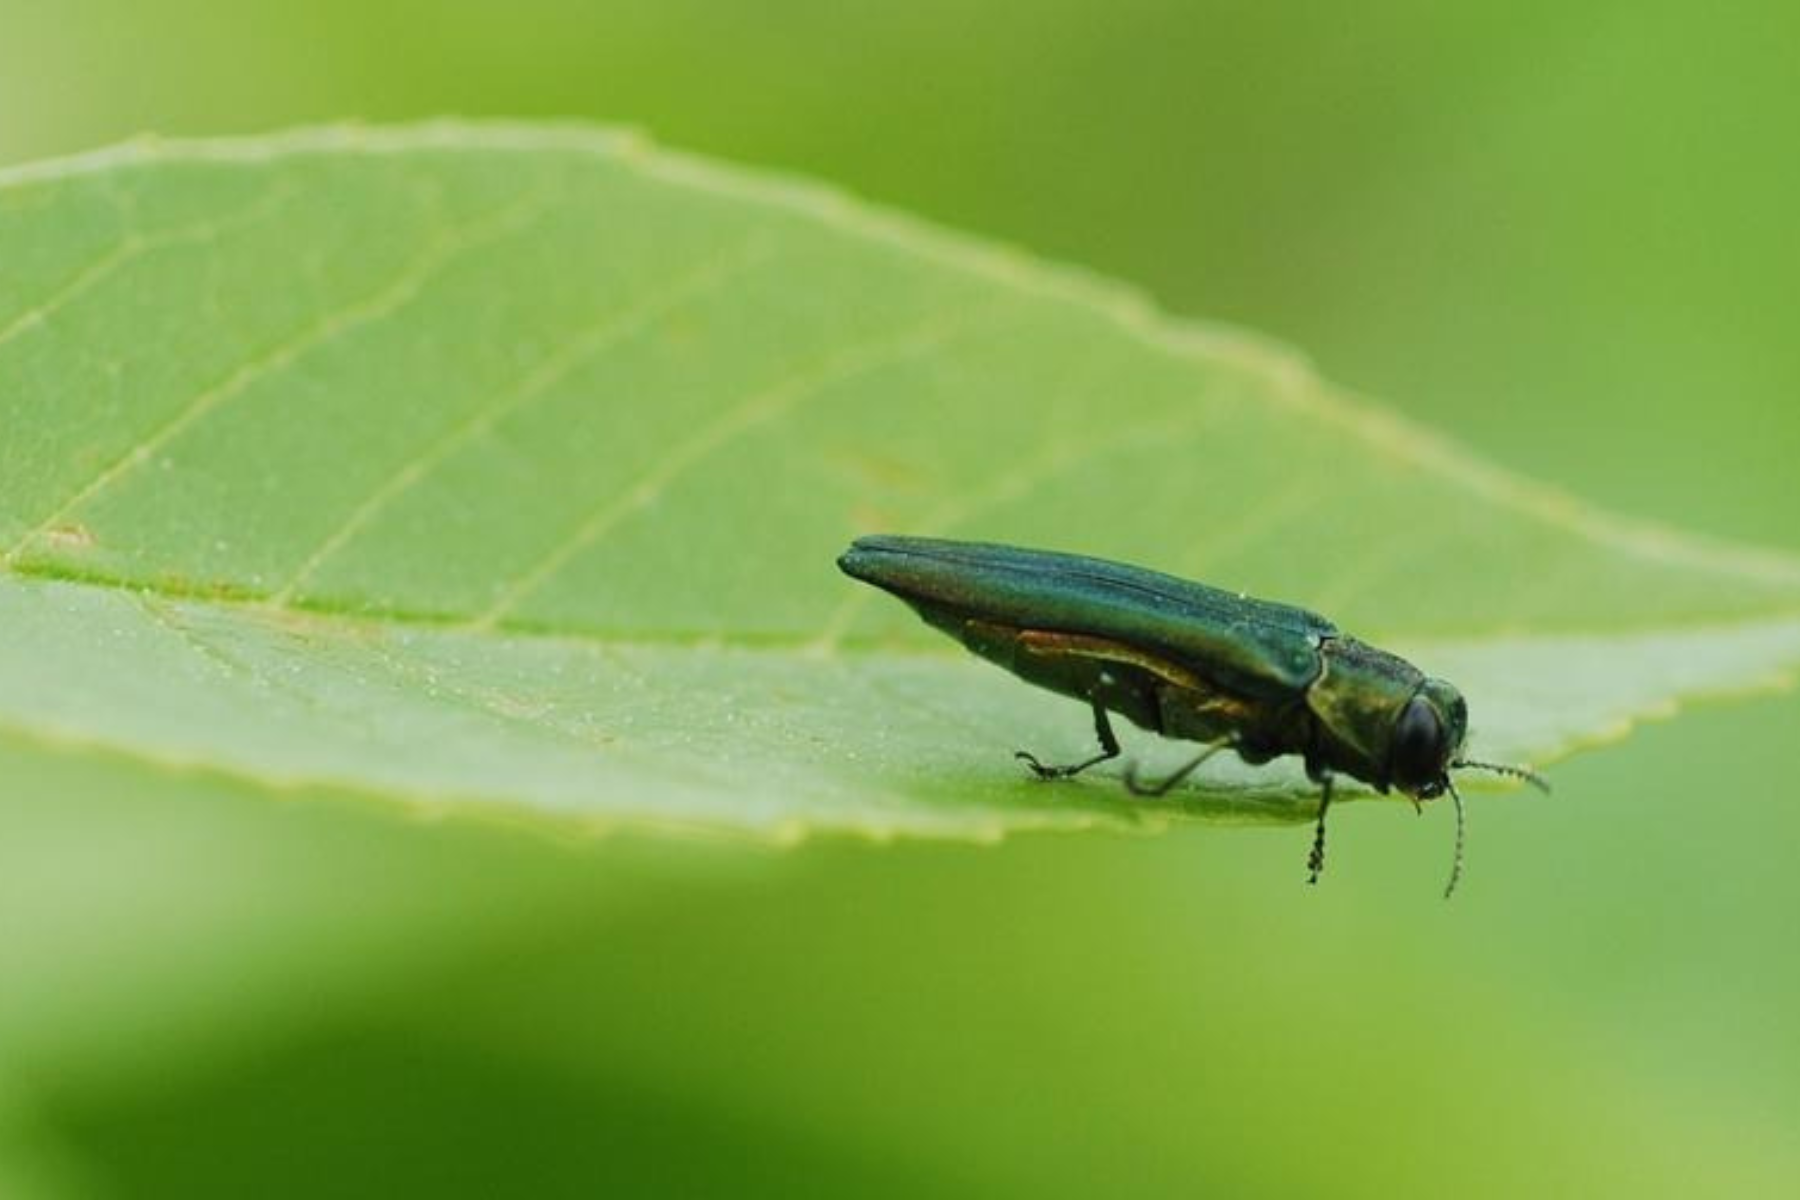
column 1526, row 773
column 1456, row 861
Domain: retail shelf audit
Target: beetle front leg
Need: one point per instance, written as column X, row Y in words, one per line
column 1315, row 862
column 1109, row 748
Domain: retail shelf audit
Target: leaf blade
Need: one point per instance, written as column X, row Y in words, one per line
column 521, row 485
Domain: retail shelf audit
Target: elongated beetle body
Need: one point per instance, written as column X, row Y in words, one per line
column 1187, row 661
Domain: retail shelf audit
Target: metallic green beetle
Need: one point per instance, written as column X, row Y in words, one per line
column 1188, row 661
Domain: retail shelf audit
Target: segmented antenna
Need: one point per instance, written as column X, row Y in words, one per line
column 1456, row 862
column 1526, row 773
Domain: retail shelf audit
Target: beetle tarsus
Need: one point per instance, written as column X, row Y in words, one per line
column 1045, row 771
column 1109, row 749
column 1315, row 861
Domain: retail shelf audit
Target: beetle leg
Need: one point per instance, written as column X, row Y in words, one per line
column 1109, row 748
column 1165, row 786
column 1315, row 862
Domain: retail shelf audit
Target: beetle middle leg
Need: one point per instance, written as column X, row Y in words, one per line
column 1109, row 749
column 1165, row 786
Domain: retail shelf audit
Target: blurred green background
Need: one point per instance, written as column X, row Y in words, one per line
column 1563, row 234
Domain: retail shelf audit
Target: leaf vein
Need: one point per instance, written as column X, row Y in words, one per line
column 1057, row 457
column 393, row 296
column 614, row 327
column 133, row 246
column 769, row 404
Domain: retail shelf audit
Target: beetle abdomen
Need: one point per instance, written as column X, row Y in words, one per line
column 1248, row 645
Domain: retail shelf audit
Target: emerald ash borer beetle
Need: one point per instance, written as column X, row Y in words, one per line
column 1192, row 662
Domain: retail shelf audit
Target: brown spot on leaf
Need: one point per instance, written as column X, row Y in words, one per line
column 68, row 537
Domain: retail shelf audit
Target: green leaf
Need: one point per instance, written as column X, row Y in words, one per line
column 505, row 467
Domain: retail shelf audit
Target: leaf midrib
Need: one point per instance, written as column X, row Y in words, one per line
column 346, row 622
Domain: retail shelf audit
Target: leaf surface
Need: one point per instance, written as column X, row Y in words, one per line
column 505, row 467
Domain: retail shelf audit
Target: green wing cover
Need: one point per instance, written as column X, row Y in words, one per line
column 1217, row 634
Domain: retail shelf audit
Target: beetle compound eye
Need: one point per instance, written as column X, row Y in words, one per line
column 1419, row 751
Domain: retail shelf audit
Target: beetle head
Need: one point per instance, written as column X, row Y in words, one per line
column 1426, row 740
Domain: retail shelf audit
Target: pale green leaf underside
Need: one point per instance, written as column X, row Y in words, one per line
column 506, row 466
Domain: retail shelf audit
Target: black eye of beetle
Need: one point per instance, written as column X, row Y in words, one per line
column 1417, row 757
